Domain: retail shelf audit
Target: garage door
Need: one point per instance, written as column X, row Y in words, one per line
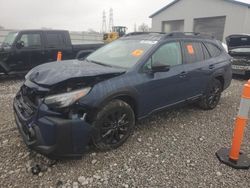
column 212, row 25
column 174, row 25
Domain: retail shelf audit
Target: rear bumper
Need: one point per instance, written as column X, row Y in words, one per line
column 52, row 135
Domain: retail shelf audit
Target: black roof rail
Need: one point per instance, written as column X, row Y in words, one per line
column 142, row 33
column 183, row 34
column 173, row 34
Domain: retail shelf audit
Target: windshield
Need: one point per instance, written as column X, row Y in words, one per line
column 121, row 53
column 9, row 39
column 241, row 50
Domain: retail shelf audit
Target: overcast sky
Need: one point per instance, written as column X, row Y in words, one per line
column 76, row 15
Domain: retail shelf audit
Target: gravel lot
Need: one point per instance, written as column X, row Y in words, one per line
column 170, row 149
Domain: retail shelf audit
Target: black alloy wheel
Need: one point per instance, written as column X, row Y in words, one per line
column 212, row 96
column 113, row 125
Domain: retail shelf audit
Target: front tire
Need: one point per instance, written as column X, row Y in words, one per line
column 113, row 124
column 212, row 95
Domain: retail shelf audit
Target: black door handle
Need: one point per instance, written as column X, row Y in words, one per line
column 211, row 66
column 183, row 74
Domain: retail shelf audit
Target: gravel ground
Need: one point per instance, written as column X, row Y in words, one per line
column 170, row 149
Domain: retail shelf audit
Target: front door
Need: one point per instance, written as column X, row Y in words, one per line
column 161, row 89
column 29, row 54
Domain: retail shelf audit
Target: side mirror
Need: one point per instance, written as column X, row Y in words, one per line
column 19, row 44
column 159, row 67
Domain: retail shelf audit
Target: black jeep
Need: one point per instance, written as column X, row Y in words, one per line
column 25, row 49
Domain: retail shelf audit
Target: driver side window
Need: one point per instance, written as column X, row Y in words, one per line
column 31, row 40
column 167, row 54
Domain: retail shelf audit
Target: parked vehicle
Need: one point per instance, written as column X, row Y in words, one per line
column 23, row 50
column 239, row 49
column 62, row 107
column 117, row 32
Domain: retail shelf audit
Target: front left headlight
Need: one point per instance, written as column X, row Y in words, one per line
column 66, row 99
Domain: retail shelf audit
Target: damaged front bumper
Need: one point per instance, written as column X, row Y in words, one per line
column 48, row 133
column 240, row 69
column 240, row 66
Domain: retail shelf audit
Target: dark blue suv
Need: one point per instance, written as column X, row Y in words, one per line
column 62, row 107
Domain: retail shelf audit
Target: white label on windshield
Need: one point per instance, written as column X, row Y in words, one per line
column 148, row 42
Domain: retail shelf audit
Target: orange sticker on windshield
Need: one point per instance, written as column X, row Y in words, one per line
column 137, row 53
column 190, row 49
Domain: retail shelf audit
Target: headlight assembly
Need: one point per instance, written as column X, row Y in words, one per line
column 66, row 99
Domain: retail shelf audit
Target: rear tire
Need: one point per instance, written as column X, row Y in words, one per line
column 113, row 124
column 212, row 95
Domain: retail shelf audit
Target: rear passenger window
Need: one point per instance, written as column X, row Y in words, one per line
column 193, row 52
column 213, row 50
column 54, row 39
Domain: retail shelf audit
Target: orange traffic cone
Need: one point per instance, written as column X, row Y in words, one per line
column 59, row 56
column 233, row 157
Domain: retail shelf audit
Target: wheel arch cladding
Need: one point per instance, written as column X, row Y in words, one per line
column 221, row 79
column 130, row 101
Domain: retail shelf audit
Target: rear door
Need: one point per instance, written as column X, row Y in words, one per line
column 56, row 41
column 196, row 66
column 30, row 54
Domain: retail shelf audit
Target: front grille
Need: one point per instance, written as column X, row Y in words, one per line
column 29, row 94
column 241, row 61
column 24, row 106
column 27, row 102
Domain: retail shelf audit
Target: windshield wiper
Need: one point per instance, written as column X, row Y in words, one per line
column 98, row 63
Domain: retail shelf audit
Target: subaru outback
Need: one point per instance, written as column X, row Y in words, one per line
column 63, row 107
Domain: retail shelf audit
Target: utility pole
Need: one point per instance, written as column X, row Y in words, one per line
column 104, row 24
column 111, row 20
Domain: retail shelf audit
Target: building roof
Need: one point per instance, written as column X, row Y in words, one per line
column 165, row 7
column 175, row 1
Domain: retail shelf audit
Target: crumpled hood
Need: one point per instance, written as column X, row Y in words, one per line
column 53, row 73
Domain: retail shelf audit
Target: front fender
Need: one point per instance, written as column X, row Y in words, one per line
column 125, row 93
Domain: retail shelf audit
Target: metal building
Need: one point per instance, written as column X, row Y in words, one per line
column 219, row 18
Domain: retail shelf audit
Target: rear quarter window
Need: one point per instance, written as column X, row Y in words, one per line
column 205, row 52
column 213, row 50
column 192, row 52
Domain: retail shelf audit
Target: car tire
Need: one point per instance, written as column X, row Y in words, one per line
column 113, row 125
column 212, row 95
